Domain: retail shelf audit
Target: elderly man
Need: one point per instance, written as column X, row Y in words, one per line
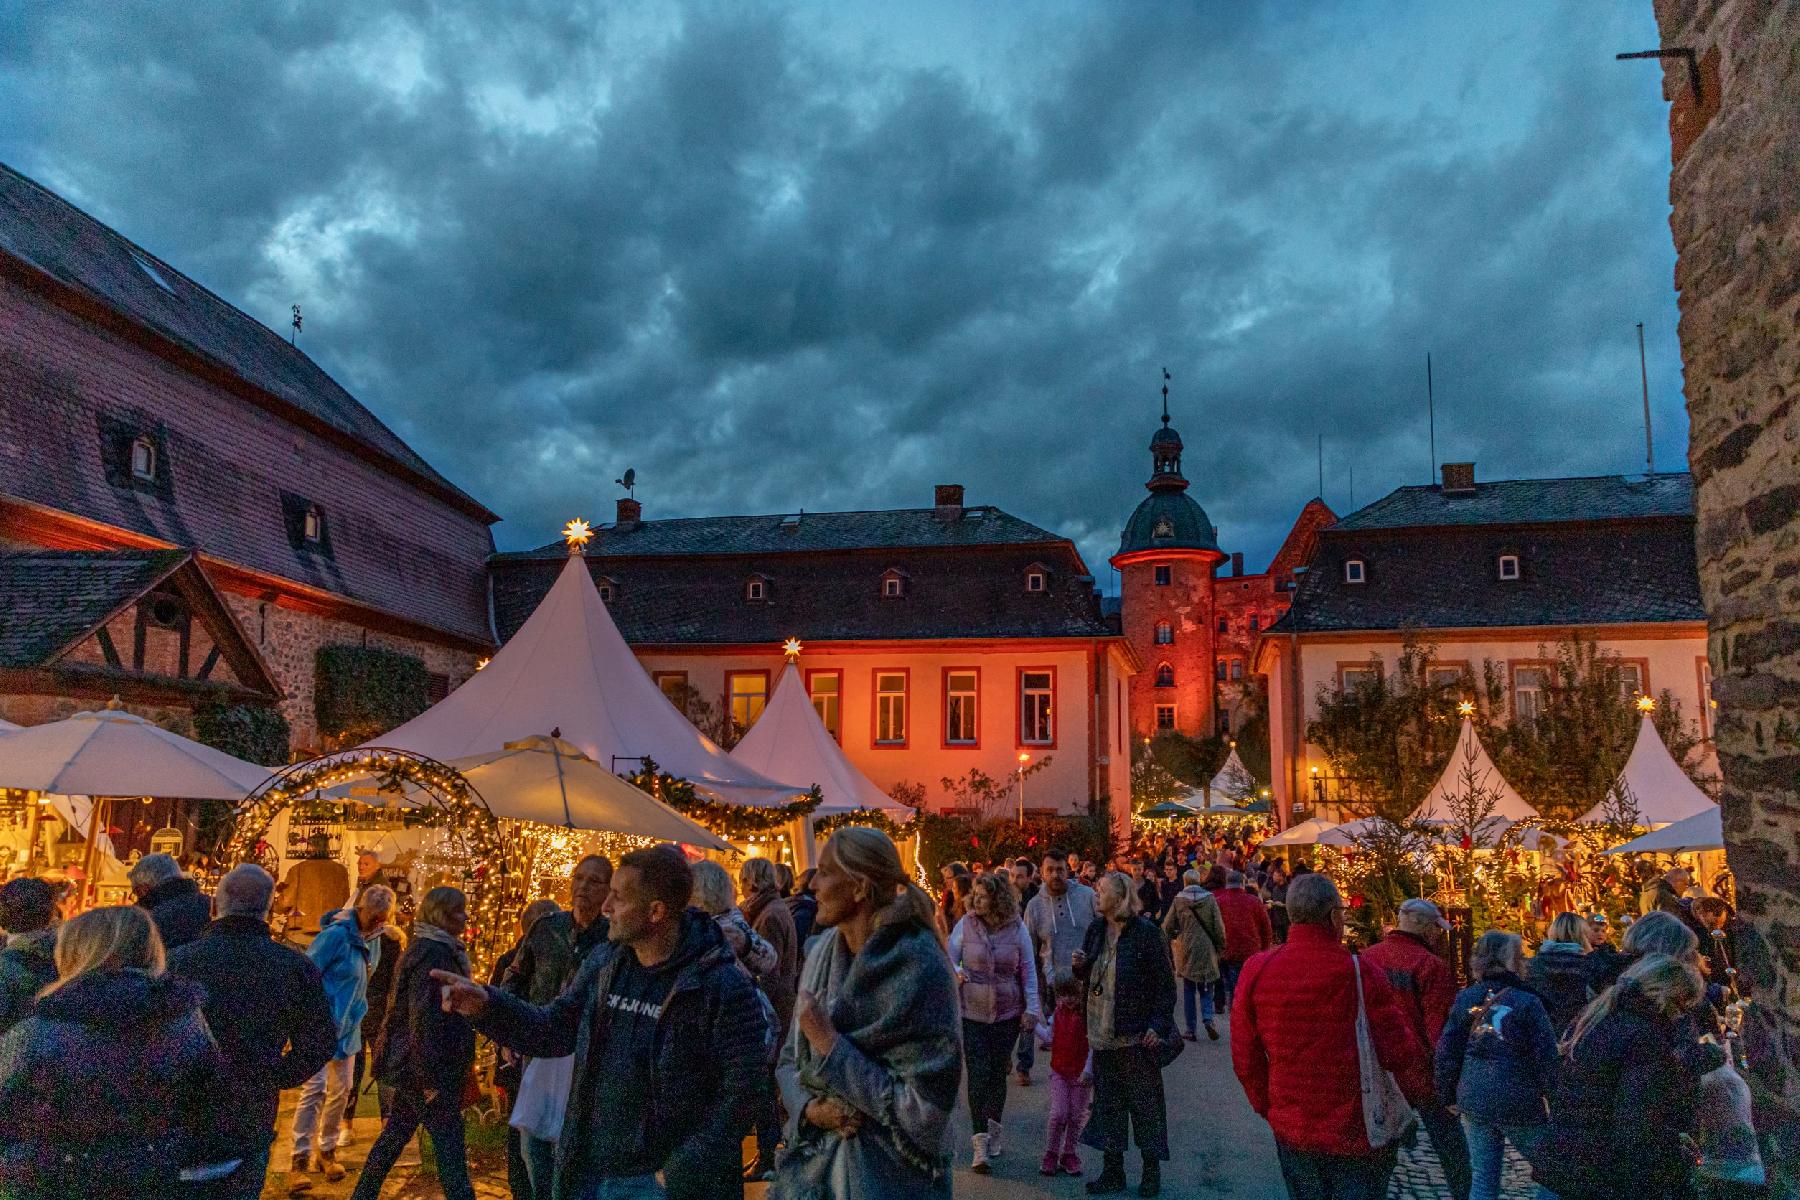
column 266, row 1006
column 345, row 952
column 1665, row 894
column 1411, row 955
column 1294, row 1048
column 172, row 899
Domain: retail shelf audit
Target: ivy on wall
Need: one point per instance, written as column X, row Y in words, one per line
column 252, row 732
column 360, row 692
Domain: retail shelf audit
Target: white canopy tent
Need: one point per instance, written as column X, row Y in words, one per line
column 568, row 669
column 1655, row 783
column 1702, row 831
column 1233, row 781
column 1469, row 761
column 790, row 741
column 1306, row 833
column 1347, row 833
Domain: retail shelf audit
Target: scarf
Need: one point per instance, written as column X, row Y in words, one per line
column 431, row 933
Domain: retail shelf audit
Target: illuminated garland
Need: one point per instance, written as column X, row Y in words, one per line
column 450, row 802
column 733, row 821
column 874, row 818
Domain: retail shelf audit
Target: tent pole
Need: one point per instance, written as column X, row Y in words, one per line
column 97, row 806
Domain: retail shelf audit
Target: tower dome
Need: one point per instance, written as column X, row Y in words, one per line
column 1168, row 518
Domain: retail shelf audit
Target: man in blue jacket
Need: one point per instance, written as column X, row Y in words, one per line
column 346, row 950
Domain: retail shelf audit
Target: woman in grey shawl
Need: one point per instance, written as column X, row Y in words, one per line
column 871, row 1072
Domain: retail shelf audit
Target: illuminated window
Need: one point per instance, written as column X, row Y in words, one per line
column 143, row 460
column 672, row 684
column 890, row 708
column 826, row 690
column 1165, row 675
column 960, row 707
column 1530, row 684
column 1037, row 704
column 1165, row 574
column 312, row 525
column 1509, row 566
column 749, row 694
column 1165, row 634
column 1165, row 717
column 1353, row 571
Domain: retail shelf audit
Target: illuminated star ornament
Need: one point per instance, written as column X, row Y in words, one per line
column 1466, row 708
column 791, row 648
column 577, row 534
column 1646, row 705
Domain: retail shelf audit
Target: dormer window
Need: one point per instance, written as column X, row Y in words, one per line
column 1354, row 571
column 1034, row 581
column 607, row 588
column 893, row 584
column 143, row 459
column 312, row 525
column 1509, row 566
column 756, row 588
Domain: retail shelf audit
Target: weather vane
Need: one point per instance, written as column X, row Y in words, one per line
column 791, row 648
column 577, row 533
column 1166, row 378
column 628, row 481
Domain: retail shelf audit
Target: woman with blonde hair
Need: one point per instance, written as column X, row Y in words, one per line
column 1562, row 970
column 104, row 1091
column 1629, row 1089
column 997, row 982
column 1124, row 963
column 870, row 1079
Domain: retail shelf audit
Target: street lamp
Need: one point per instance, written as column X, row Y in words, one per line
column 1023, row 759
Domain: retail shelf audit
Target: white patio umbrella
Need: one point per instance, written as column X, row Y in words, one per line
column 114, row 753
column 550, row 781
column 1702, row 831
column 1306, row 833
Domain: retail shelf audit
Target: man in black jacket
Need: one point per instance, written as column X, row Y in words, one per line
column 28, row 964
column 267, row 1008
column 667, row 1036
column 181, row 913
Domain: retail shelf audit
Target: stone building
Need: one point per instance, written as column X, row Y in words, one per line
column 936, row 640
column 1494, row 574
column 1195, row 630
column 190, row 508
column 1732, row 77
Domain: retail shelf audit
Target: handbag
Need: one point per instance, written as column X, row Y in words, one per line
column 1727, row 1141
column 543, row 1097
column 1386, row 1115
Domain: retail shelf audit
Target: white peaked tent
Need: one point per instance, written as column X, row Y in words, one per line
column 8, row 727
column 1306, row 833
column 568, row 668
column 1470, row 756
column 1234, row 781
column 1661, row 790
column 790, row 741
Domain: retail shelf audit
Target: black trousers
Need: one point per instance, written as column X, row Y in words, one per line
column 987, row 1057
column 1128, row 1104
column 442, row 1118
column 1446, row 1132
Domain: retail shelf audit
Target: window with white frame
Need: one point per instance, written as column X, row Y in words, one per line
column 312, row 525
column 143, row 460
column 1034, row 581
column 892, row 585
column 1354, row 571
column 607, row 590
column 827, row 691
column 1351, row 678
column 1165, row 633
column 1165, row 717
column 756, row 589
column 1509, row 566
column 1530, row 687
column 890, row 708
column 960, row 707
column 1037, row 702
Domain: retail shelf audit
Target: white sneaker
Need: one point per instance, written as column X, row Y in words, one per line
column 993, row 1139
column 980, row 1165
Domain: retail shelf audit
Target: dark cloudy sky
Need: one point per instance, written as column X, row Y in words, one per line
column 825, row 255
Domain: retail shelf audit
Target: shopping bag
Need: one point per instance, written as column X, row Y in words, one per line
column 1386, row 1114
column 543, row 1097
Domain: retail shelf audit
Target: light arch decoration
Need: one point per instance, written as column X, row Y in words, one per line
column 439, row 792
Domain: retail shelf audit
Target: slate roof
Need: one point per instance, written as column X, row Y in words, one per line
column 1621, row 553
column 45, row 231
column 49, row 599
column 1189, row 528
column 1531, row 501
column 779, row 533
column 955, row 587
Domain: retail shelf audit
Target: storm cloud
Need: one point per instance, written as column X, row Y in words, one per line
column 824, row 256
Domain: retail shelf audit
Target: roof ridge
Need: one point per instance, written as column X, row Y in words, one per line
column 1621, row 476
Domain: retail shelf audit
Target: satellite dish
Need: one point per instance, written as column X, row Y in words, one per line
column 629, row 480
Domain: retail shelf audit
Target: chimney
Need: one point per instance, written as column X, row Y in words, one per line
column 948, row 498
column 629, row 512
column 1237, row 562
column 1459, row 479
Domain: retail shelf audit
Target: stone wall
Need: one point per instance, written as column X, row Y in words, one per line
column 1735, row 188
column 1186, row 603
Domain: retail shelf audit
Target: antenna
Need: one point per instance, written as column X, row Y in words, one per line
column 1644, row 378
column 628, row 481
column 293, row 338
column 1431, row 418
column 1352, row 485
column 1321, row 466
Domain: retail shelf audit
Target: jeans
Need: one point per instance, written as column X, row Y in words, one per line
column 1446, row 1133
column 1190, row 989
column 442, row 1118
column 320, row 1116
column 1487, row 1154
column 987, row 1051
column 1025, row 1053
column 1226, row 987
column 537, row 1163
column 623, row 1187
column 1310, row 1175
column 1070, row 1100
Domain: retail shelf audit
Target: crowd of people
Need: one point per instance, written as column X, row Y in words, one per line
column 675, row 1009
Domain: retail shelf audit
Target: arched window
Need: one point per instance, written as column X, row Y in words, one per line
column 1165, row 675
column 1165, row 634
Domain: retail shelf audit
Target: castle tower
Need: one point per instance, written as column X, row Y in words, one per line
column 1166, row 561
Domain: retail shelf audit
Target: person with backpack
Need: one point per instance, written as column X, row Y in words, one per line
column 1496, row 1063
column 1197, row 932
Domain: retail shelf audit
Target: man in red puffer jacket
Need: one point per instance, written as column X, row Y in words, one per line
column 1247, row 933
column 1426, row 988
column 1293, row 1045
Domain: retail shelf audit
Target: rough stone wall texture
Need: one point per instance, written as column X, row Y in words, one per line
column 1186, row 603
column 289, row 640
column 1735, row 191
